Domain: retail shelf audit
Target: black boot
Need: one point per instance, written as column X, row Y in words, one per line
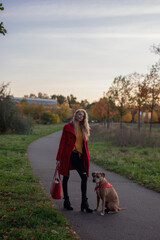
column 67, row 204
column 85, row 206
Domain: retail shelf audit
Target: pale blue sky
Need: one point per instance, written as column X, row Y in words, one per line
column 76, row 47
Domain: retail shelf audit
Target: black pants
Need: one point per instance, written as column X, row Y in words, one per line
column 77, row 163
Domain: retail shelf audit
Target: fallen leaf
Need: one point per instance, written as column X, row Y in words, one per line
column 54, row 232
column 73, row 232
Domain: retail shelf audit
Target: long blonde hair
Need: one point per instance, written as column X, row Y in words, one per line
column 83, row 124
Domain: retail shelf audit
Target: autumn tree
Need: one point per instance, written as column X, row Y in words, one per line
column 60, row 98
column 90, row 115
column 43, row 95
column 146, row 116
column 127, row 117
column 63, row 111
column 100, row 109
column 153, row 84
column 120, row 93
column 84, row 103
column 75, row 107
column 32, row 95
column 139, row 94
column 34, row 110
column 50, row 118
column 71, row 100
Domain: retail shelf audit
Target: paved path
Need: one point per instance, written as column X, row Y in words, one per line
column 140, row 221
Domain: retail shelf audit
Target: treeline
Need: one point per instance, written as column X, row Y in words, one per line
column 71, row 100
column 20, row 117
column 53, row 113
column 135, row 97
column 131, row 98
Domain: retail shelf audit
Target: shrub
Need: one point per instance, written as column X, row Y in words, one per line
column 7, row 110
column 50, row 118
column 21, row 125
column 55, row 118
column 10, row 118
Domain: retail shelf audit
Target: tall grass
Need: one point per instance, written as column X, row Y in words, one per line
column 130, row 153
column 127, row 136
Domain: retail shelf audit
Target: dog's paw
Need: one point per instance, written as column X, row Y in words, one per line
column 102, row 214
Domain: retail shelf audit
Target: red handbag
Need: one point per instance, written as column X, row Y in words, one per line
column 56, row 186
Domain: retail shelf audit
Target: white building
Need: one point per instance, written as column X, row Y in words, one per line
column 35, row 100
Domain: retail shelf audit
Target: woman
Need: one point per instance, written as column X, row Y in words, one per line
column 73, row 154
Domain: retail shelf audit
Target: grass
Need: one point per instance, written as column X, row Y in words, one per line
column 137, row 162
column 26, row 210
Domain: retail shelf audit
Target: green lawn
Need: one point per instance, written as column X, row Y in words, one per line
column 139, row 163
column 26, row 210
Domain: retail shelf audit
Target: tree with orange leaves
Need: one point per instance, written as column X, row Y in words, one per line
column 101, row 110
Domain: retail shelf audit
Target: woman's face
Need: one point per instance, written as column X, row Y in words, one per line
column 80, row 116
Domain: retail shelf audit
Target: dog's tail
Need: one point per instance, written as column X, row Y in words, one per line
column 124, row 208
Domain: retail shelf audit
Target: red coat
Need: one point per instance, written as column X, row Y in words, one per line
column 66, row 146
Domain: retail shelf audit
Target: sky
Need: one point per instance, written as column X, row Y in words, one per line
column 76, row 46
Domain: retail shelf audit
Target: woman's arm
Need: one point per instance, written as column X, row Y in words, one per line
column 61, row 145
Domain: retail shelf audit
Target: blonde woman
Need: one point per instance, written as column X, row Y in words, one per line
column 73, row 154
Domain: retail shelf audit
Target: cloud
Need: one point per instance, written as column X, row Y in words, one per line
column 84, row 35
column 80, row 10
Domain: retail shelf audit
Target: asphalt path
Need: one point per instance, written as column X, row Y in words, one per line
column 141, row 219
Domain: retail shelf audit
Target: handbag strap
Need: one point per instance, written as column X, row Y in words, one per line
column 55, row 174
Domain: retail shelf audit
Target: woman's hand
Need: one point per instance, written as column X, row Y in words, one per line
column 58, row 164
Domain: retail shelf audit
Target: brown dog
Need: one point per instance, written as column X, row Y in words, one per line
column 105, row 191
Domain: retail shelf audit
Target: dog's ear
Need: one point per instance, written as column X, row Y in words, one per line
column 103, row 174
column 93, row 174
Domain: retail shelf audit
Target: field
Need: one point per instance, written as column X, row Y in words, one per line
column 127, row 152
column 26, row 211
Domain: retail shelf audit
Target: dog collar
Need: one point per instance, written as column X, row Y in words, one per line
column 105, row 185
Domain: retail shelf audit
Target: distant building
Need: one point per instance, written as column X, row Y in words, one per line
column 35, row 100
